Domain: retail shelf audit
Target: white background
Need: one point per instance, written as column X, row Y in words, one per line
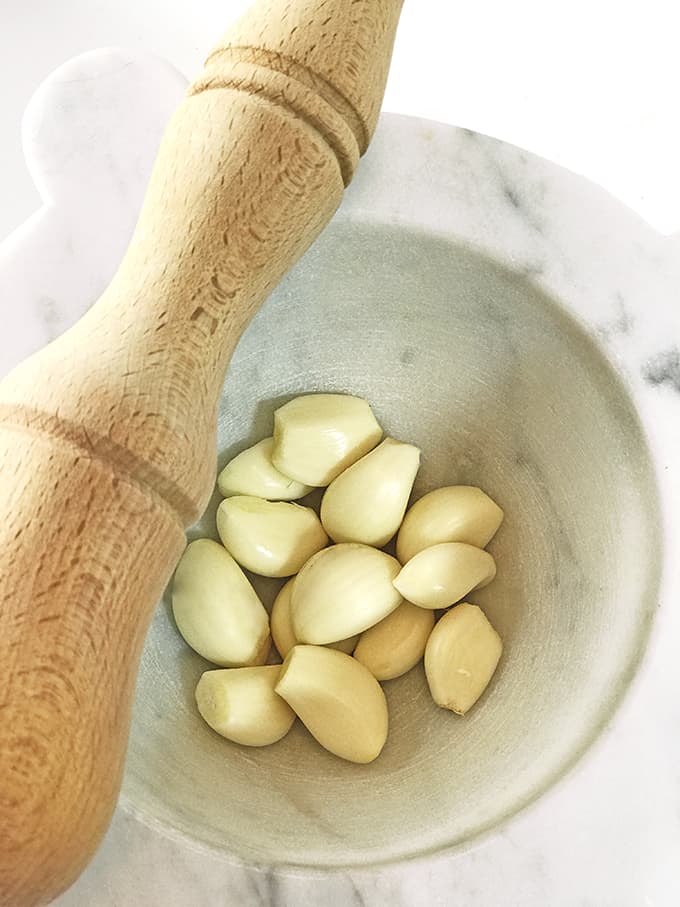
column 591, row 84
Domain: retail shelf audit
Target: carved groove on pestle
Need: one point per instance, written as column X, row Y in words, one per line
column 301, row 73
column 124, row 465
column 297, row 90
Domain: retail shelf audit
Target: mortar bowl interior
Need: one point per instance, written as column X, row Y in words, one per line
column 500, row 388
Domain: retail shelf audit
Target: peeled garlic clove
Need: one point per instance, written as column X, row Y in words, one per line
column 342, row 591
column 272, row 538
column 282, row 626
column 441, row 575
column 397, row 643
column 366, row 502
column 241, row 705
column 252, row 473
column 216, row 609
column 460, row 657
column 456, row 513
column 337, row 699
column 317, row 436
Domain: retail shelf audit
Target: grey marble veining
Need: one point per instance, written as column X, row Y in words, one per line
column 664, row 368
column 608, row 834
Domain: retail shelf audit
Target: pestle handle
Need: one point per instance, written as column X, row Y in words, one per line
column 107, row 436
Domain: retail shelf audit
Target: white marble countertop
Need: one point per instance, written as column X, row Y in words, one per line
column 593, row 93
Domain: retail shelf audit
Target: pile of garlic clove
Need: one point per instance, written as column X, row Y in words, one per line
column 350, row 614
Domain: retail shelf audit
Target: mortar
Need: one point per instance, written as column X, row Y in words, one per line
column 415, row 300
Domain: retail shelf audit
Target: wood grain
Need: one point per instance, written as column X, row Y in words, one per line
column 107, row 436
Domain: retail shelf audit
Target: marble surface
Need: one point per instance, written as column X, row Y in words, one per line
column 608, row 835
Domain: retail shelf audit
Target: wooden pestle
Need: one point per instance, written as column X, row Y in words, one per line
column 107, row 436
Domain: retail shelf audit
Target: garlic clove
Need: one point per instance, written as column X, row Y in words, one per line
column 241, row 705
column 319, row 435
column 337, row 699
column 341, row 591
column 282, row 626
column 441, row 575
column 393, row 646
column 271, row 538
column 456, row 513
column 461, row 656
column 366, row 502
column 216, row 609
column 252, row 473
